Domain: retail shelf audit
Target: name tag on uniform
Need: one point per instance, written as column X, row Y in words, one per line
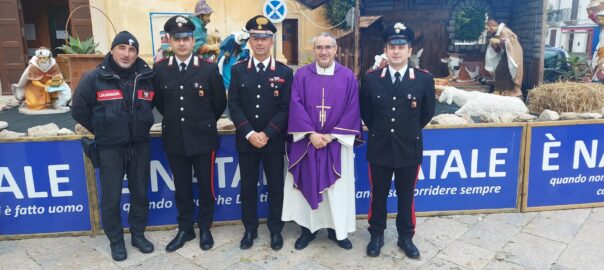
column 145, row 95
column 105, row 95
column 414, row 103
column 276, row 93
column 201, row 93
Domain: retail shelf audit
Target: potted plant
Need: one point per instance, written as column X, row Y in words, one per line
column 78, row 58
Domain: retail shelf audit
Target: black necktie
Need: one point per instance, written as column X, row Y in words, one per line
column 183, row 68
column 397, row 80
column 260, row 69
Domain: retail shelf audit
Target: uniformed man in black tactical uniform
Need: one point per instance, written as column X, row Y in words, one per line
column 397, row 102
column 258, row 104
column 114, row 102
column 191, row 98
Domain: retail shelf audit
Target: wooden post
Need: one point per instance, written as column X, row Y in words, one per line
column 356, row 38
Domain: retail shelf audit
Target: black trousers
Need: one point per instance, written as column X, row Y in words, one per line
column 203, row 165
column 273, row 168
column 404, row 182
column 115, row 161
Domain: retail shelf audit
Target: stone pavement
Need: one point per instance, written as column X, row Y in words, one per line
column 555, row 240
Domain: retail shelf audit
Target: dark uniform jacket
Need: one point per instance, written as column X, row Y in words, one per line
column 190, row 104
column 395, row 117
column 117, row 112
column 260, row 104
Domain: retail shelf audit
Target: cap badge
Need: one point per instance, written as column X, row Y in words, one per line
column 398, row 27
column 180, row 20
column 261, row 21
column 130, row 41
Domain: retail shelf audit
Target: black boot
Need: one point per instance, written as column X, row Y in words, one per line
column 206, row 242
column 140, row 242
column 375, row 245
column 407, row 245
column 118, row 251
column 305, row 237
column 248, row 239
column 180, row 239
column 276, row 241
column 345, row 243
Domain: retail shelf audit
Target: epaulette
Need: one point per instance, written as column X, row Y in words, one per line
column 424, row 71
column 162, row 60
column 241, row 61
column 206, row 60
column 373, row 70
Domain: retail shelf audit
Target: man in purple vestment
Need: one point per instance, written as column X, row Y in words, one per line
column 324, row 119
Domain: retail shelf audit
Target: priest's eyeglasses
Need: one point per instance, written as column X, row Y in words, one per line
column 326, row 47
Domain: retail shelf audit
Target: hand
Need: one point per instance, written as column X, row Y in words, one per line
column 319, row 140
column 264, row 136
column 257, row 140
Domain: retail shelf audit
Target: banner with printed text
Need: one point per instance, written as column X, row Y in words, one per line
column 43, row 188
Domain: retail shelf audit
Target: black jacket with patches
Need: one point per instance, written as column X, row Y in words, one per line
column 117, row 111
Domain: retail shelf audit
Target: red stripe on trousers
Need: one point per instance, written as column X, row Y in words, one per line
column 413, row 204
column 212, row 159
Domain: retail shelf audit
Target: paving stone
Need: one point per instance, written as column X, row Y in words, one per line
column 562, row 267
column 591, row 232
column 440, row 264
column 597, row 213
column 135, row 257
column 308, row 265
column 573, row 215
column 503, row 265
column 469, row 219
column 17, row 259
column 531, row 251
column 492, row 234
column 519, row 219
column 552, row 228
column 173, row 260
column 466, row 255
column 582, row 255
column 73, row 254
column 433, row 231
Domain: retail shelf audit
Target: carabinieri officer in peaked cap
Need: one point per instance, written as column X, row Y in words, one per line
column 397, row 102
column 191, row 97
column 259, row 103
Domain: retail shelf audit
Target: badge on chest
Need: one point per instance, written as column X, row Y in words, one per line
column 413, row 101
column 200, row 89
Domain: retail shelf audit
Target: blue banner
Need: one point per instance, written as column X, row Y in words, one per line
column 162, row 205
column 463, row 169
column 43, row 188
column 566, row 165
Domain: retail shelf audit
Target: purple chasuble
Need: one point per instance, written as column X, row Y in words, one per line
column 326, row 104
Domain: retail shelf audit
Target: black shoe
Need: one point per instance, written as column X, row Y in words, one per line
column 248, row 239
column 407, row 245
column 375, row 245
column 118, row 251
column 305, row 237
column 276, row 241
column 142, row 244
column 206, row 242
column 345, row 244
column 181, row 238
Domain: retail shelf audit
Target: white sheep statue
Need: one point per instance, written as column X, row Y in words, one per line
column 483, row 105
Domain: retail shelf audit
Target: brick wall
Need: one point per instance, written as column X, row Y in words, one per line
column 528, row 24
